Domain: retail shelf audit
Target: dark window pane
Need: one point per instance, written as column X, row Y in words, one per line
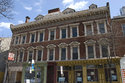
column 110, row 73
column 123, row 27
column 90, row 52
column 32, row 38
column 41, row 37
column 21, row 57
column 63, row 54
column 75, row 53
column 104, row 51
column 92, row 73
column 101, row 28
column 39, row 55
column 17, row 40
column 30, row 55
column 23, row 39
column 51, row 53
column 63, row 33
column 62, row 78
column 51, row 35
column 74, row 32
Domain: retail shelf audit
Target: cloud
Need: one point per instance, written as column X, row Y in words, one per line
column 75, row 5
column 28, row 8
column 78, row 5
column 20, row 22
column 67, row 1
column 5, row 25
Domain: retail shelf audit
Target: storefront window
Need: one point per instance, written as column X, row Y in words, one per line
column 62, row 77
column 34, row 76
column 78, row 74
column 92, row 73
column 110, row 72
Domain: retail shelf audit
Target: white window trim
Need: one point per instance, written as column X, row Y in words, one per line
column 72, row 52
column 17, row 40
column 42, row 31
column 74, row 25
column 123, row 29
column 22, row 56
column 105, row 27
column 22, row 39
column 100, row 46
column 92, row 28
column 94, row 50
column 48, row 51
column 31, row 36
column 60, row 53
column 37, row 55
column 52, row 29
column 28, row 55
column 61, row 32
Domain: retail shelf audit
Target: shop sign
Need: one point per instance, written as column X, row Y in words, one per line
column 11, row 57
column 122, row 64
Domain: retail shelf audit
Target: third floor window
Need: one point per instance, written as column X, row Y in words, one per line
column 23, row 39
column 41, row 36
column 32, row 37
column 63, row 33
column 101, row 28
column 52, row 35
column 123, row 29
column 74, row 32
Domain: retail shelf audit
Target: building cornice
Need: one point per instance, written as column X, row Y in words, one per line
column 81, row 15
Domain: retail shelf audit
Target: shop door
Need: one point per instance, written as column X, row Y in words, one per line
column 18, row 77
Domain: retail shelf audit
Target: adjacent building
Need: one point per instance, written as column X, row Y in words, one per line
column 68, row 47
column 4, row 49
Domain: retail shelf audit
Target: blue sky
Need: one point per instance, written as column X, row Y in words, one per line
column 32, row 8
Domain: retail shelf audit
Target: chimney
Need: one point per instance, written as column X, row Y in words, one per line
column 53, row 10
column 27, row 19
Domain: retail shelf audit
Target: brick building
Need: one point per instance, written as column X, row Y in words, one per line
column 68, row 47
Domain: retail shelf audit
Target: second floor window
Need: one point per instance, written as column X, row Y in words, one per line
column 75, row 53
column 52, row 32
column 63, row 53
column 30, row 56
column 123, row 29
column 74, row 32
column 90, row 52
column 63, row 33
column 104, row 49
column 39, row 57
column 21, row 56
column 101, row 28
column 23, row 39
column 32, row 38
column 51, row 54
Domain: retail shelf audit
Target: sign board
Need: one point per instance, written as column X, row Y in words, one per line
column 122, row 64
column 11, row 56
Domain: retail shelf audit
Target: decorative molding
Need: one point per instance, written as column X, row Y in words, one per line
column 62, row 45
column 90, row 42
column 74, row 44
column 30, row 48
column 51, row 46
column 39, row 47
column 103, row 41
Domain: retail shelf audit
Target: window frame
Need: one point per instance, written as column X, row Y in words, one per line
column 105, row 27
column 85, row 27
column 28, row 55
column 60, row 53
column 31, row 37
column 52, row 29
column 123, row 26
column 37, row 55
column 22, row 39
column 71, row 27
column 39, row 32
column 22, row 56
column 63, row 27
column 49, row 54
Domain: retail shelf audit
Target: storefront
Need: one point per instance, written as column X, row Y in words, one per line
column 89, row 71
column 39, row 74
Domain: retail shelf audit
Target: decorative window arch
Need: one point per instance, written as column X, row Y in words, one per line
column 104, row 47
column 90, row 49
column 51, row 52
column 30, row 53
column 75, row 52
column 39, row 53
column 63, row 51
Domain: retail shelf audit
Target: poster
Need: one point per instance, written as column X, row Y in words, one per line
column 11, row 56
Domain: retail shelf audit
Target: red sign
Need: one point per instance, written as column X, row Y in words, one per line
column 11, row 56
column 123, row 75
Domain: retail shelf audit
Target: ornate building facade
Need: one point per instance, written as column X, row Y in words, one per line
column 68, row 47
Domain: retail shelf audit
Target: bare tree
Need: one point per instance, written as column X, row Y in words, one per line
column 6, row 7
